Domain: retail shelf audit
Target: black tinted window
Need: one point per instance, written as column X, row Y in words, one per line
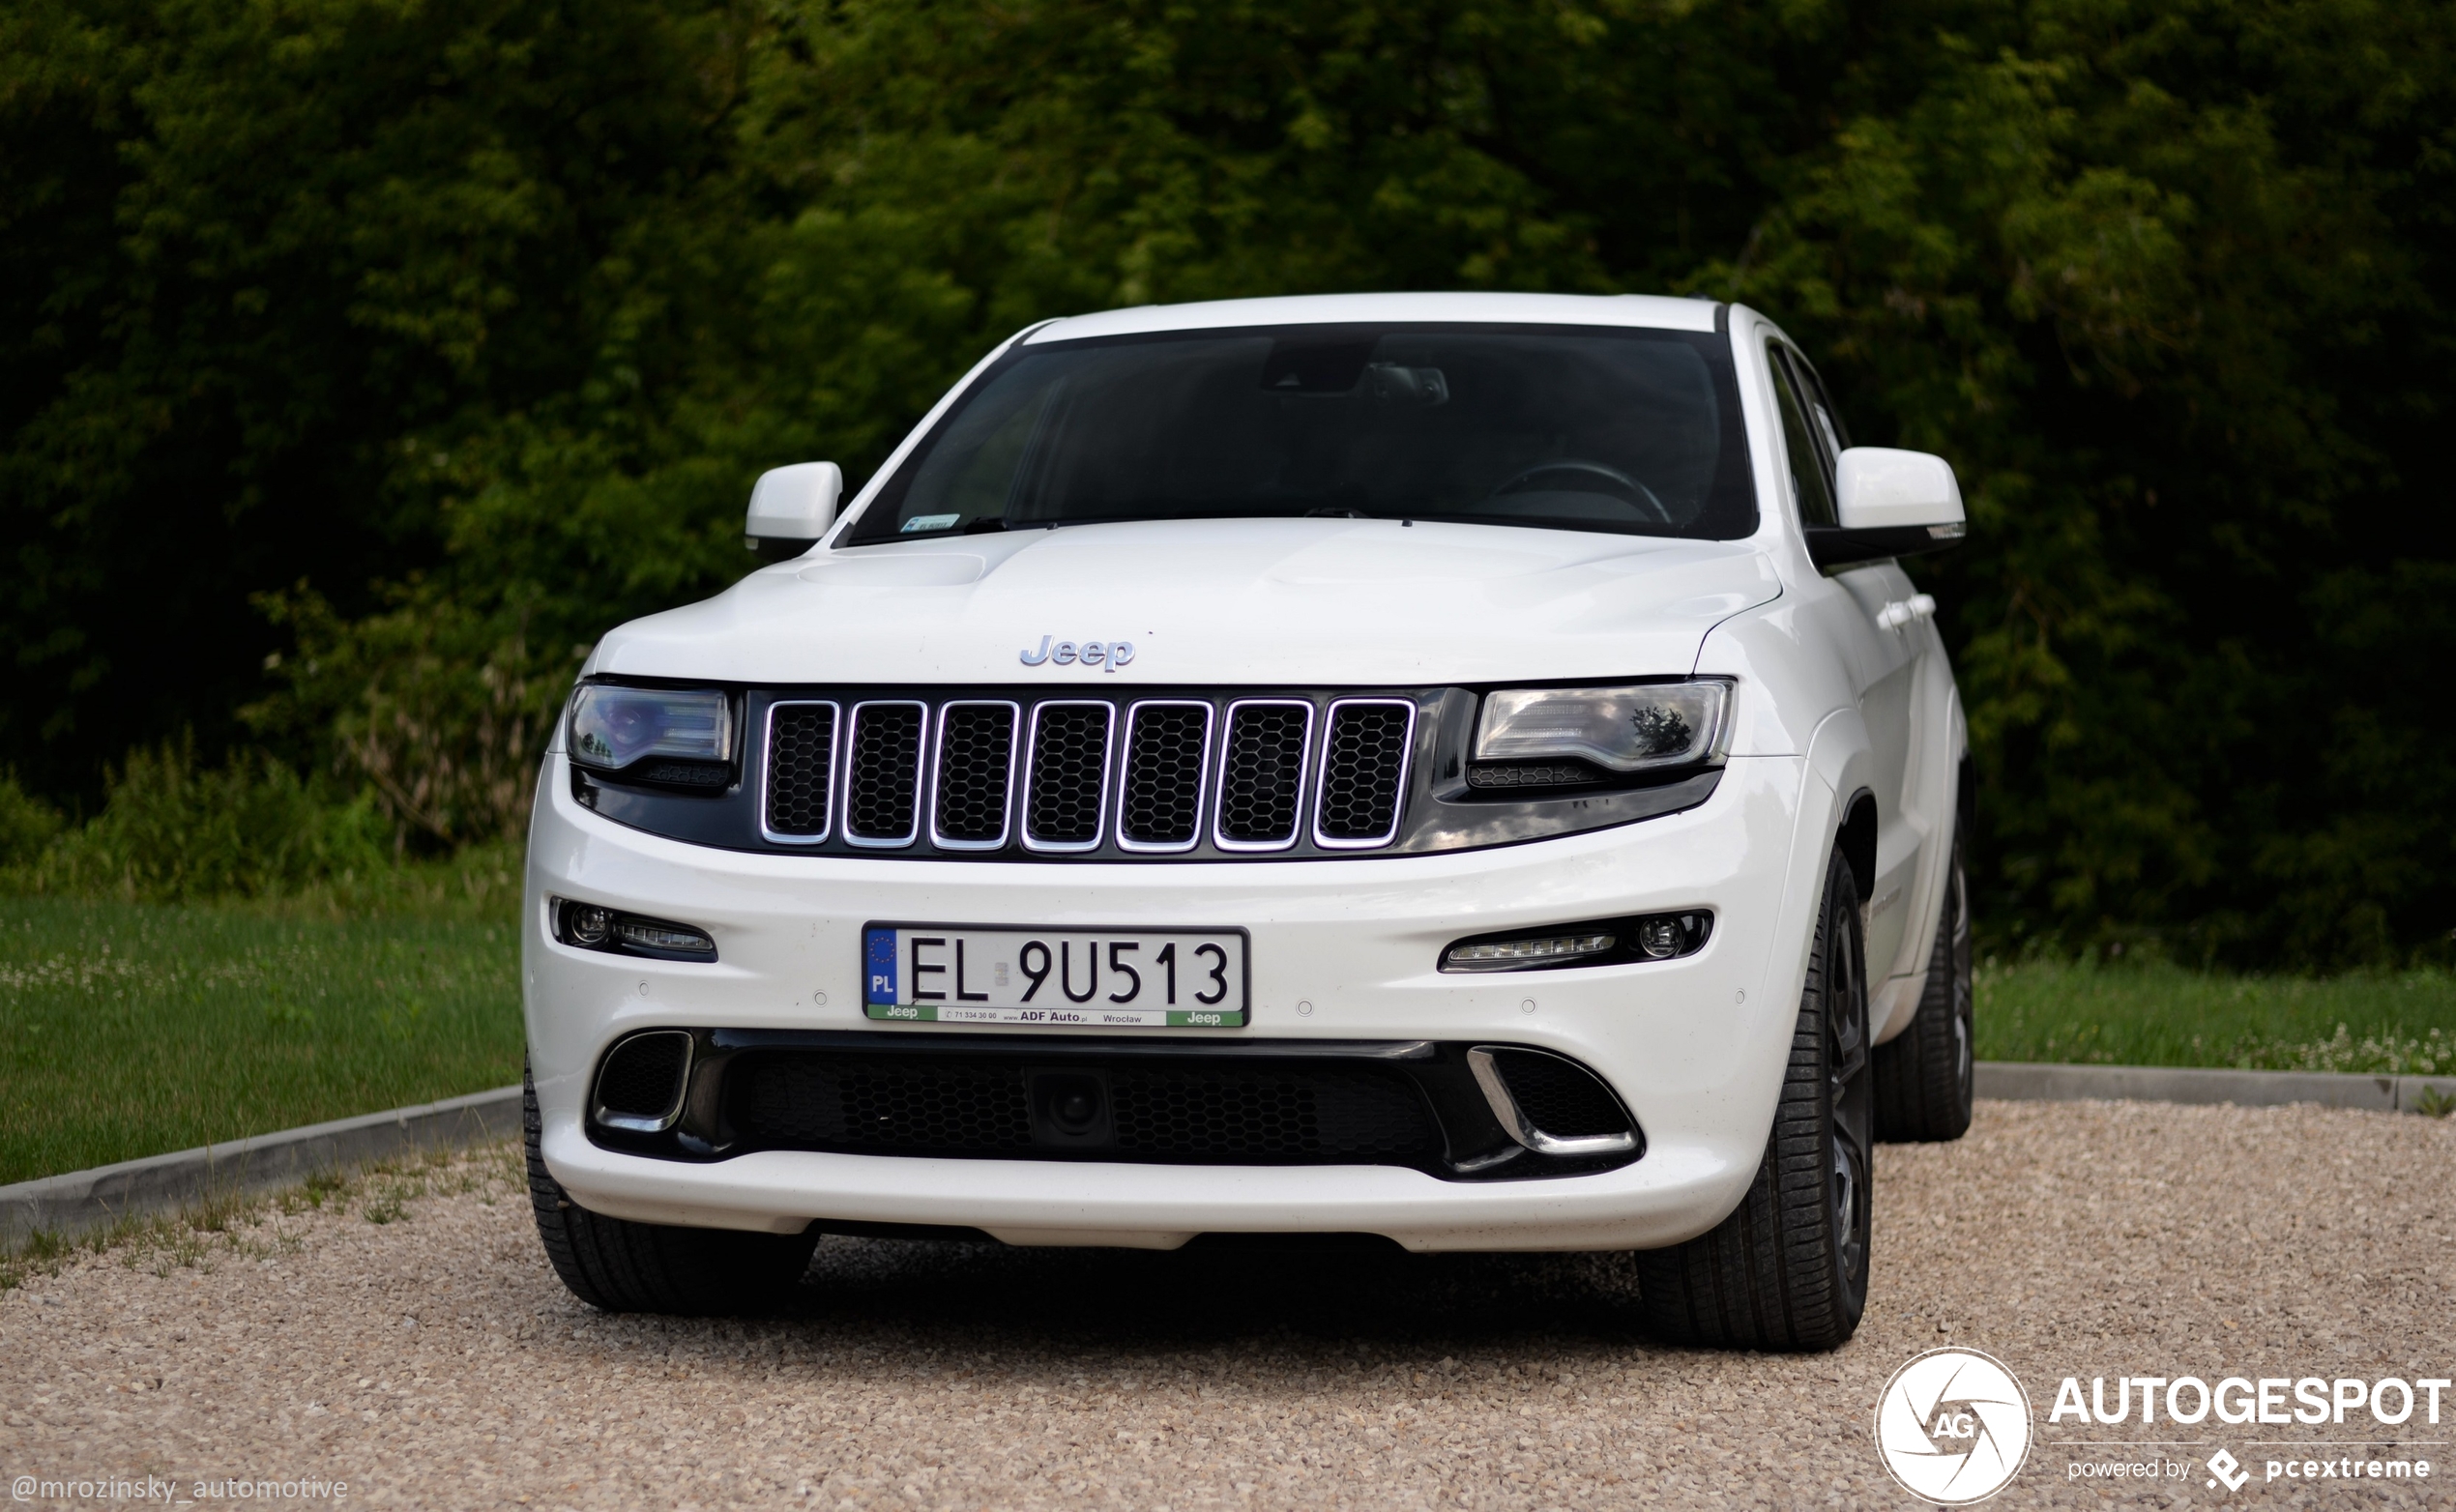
column 1634, row 431
column 1808, row 455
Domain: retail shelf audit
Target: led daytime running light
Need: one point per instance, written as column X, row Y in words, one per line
column 1521, row 952
column 646, row 936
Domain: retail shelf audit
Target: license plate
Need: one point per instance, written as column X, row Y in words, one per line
column 1092, row 979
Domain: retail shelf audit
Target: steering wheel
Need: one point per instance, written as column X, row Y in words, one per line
column 1586, row 475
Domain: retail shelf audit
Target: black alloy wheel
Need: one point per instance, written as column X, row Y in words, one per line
column 1927, row 1075
column 1788, row 1270
column 1849, row 1103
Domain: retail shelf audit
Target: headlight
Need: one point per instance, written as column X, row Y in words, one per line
column 1622, row 730
column 613, row 728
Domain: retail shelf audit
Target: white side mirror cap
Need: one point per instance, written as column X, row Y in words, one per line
column 1882, row 488
column 796, row 503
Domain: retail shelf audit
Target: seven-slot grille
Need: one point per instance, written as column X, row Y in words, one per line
column 1062, row 776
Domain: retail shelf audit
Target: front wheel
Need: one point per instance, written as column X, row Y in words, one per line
column 622, row 1267
column 1788, row 1270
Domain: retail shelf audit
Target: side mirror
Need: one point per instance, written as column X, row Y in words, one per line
column 1892, row 504
column 796, row 504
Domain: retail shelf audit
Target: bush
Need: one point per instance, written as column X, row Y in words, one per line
column 172, row 832
column 27, row 824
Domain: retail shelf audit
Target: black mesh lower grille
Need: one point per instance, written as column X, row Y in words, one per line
column 1069, row 762
column 1261, row 1116
column 801, row 763
column 1162, row 802
column 1363, row 760
column 885, row 1105
column 1561, row 1099
column 953, row 1105
column 883, row 771
column 643, row 1077
column 975, row 750
column 1261, row 773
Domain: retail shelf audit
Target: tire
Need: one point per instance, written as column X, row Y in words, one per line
column 1789, row 1268
column 621, row 1267
column 1927, row 1075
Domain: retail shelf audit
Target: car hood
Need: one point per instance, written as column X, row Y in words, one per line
column 1276, row 601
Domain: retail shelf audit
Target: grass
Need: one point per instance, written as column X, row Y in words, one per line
column 2156, row 1015
column 132, row 1028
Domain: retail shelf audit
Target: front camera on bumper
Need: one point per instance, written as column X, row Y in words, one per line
column 593, row 927
column 1611, row 941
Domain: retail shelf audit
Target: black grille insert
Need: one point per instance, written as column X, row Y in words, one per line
column 885, row 1105
column 976, row 765
column 1261, row 1115
column 1069, row 772
column 1166, row 746
column 643, row 1078
column 981, row 1107
column 882, row 789
column 1364, row 772
column 1262, row 775
column 801, row 770
column 1560, row 1098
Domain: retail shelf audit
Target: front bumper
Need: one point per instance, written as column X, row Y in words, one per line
column 1341, row 950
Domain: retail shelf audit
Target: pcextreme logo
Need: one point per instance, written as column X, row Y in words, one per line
column 1952, row 1427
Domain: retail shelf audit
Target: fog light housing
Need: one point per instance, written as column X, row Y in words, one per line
column 592, row 926
column 1602, row 941
column 1659, row 937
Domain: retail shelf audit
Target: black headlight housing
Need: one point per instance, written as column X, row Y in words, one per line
column 685, row 739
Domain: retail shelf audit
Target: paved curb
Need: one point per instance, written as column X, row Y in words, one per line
column 83, row 1200
column 2020, row 1082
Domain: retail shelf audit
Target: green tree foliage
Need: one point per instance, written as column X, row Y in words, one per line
column 395, row 348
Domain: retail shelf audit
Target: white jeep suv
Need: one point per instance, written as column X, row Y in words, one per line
column 1466, row 769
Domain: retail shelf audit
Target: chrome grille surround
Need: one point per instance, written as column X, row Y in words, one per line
column 1387, row 777
column 1189, row 799
column 956, row 721
column 829, row 757
column 1251, row 774
column 862, row 772
column 1040, row 796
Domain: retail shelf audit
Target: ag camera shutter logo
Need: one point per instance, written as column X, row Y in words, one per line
column 1952, row 1427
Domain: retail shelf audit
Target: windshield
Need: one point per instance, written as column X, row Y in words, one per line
column 1631, row 431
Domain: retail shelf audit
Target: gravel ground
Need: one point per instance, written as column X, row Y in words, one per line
column 429, row 1358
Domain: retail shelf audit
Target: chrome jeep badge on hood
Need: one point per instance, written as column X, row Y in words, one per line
column 1091, row 653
